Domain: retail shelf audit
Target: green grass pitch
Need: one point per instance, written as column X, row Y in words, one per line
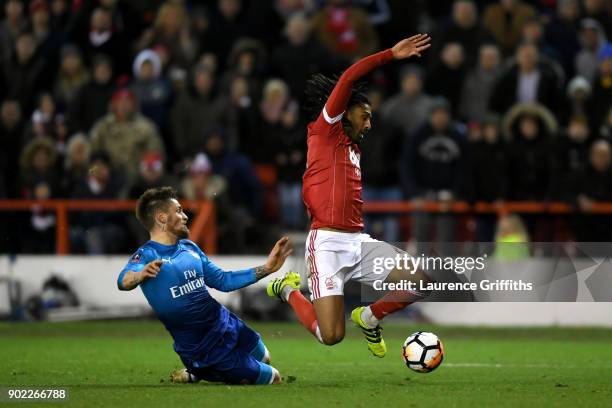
column 127, row 363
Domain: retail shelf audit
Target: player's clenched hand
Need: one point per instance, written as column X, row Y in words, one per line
column 151, row 269
column 278, row 255
column 412, row 46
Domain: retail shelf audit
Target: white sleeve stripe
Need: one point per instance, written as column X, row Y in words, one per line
column 333, row 120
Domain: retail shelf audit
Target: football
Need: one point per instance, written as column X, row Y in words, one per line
column 423, row 352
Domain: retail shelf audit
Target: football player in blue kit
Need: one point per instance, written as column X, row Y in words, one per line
column 173, row 272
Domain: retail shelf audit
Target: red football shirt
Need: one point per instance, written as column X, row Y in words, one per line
column 332, row 181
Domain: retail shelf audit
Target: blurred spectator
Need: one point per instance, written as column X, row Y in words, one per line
column 602, row 87
column 11, row 26
column 92, row 99
column 195, row 109
column 39, row 234
column 125, row 134
column 380, row 162
column 599, row 10
column 172, row 31
column 47, row 41
column 301, row 56
column 572, row 152
column 71, row 77
column 592, row 39
column 505, row 21
column 533, row 33
column 463, row 28
column 98, row 232
column 126, row 17
column 275, row 121
column 561, row 33
column 24, row 73
column 445, row 77
column 151, row 175
column 410, row 107
column 528, row 81
column 247, row 59
column 241, row 116
column 244, row 188
column 102, row 39
column 76, row 164
column 11, row 140
column 39, row 180
column 228, row 23
column 280, row 121
column 433, row 168
column 345, row 30
column 530, row 130
column 42, row 122
column 511, row 239
column 60, row 18
column 578, row 98
column 201, row 184
column 150, row 88
column 38, row 163
column 487, row 174
column 479, row 84
column 592, row 186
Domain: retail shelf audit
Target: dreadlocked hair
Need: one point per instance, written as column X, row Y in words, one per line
column 319, row 87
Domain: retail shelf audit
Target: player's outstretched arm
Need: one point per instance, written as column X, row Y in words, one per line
column 217, row 278
column 408, row 47
column 132, row 279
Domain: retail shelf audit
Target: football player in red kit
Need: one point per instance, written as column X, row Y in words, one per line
column 336, row 249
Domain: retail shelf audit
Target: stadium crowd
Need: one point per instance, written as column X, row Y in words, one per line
column 103, row 99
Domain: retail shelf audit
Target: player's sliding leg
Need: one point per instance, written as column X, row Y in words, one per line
column 261, row 353
column 254, row 372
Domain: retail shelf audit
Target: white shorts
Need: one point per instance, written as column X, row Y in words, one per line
column 333, row 258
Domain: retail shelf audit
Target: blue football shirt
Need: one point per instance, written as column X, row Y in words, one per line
column 179, row 297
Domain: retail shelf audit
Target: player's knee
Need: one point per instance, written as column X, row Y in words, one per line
column 332, row 337
column 266, row 358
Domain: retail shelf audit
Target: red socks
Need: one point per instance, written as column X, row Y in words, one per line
column 304, row 311
column 392, row 302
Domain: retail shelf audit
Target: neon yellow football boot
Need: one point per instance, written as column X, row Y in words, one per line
column 275, row 288
column 373, row 336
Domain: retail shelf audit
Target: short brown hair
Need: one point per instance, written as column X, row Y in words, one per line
column 150, row 201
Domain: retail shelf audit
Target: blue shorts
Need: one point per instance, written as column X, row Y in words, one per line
column 240, row 365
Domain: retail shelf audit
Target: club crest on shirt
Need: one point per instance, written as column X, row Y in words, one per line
column 330, row 284
column 355, row 157
column 136, row 257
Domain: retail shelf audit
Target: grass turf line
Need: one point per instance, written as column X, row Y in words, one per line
column 127, row 363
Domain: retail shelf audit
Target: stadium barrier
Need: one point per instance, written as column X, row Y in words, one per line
column 93, row 279
column 462, row 207
column 203, row 228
